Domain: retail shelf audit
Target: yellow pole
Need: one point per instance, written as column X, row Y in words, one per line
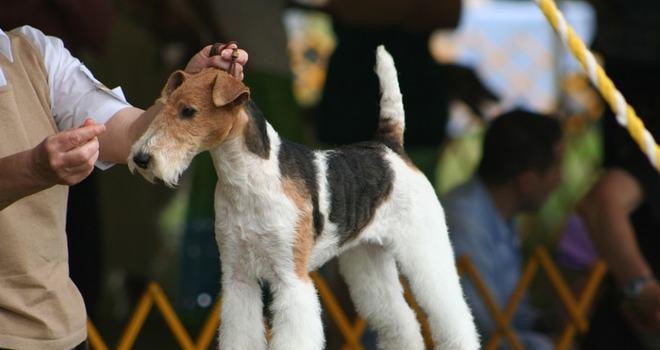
column 336, row 312
column 562, row 289
column 139, row 316
column 170, row 317
column 210, row 327
column 625, row 114
column 95, row 340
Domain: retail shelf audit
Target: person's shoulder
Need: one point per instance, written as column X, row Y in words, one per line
column 29, row 32
column 38, row 38
column 465, row 206
column 466, row 194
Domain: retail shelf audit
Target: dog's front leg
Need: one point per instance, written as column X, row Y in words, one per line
column 241, row 318
column 296, row 315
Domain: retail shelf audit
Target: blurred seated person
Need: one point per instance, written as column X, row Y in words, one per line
column 622, row 210
column 520, row 167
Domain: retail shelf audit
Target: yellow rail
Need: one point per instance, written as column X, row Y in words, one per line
column 352, row 331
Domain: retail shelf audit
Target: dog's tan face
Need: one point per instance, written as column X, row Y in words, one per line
column 199, row 112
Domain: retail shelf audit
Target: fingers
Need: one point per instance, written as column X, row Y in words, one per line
column 68, row 157
column 220, row 62
column 75, row 165
column 85, row 155
column 73, row 138
column 88, row 122
column 223, row 60
column 241, row 58
column 204, row 59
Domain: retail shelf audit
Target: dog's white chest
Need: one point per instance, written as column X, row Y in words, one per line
column 255, row 228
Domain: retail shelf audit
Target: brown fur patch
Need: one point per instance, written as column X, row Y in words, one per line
column 210, row 125
column 391, row 134
column 390, row 130
column 302, row 248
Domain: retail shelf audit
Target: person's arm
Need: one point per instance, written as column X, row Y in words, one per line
column 65, row 158
column 128, row 124
column 606, row 210
column 76, row 94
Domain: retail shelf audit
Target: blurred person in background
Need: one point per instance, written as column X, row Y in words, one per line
column 622, row 210
column 58, row 122
column 520, row 167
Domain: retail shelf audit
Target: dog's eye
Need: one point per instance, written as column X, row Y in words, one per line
column 187, row 112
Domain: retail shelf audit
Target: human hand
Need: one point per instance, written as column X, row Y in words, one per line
column 643, row 312
column 202, row 60
column 68, row 157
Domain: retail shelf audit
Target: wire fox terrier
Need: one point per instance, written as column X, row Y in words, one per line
column 282, row 210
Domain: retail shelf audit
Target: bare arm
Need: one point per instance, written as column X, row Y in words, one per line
column 123, row 129
column 19, row 179
column 606, row 210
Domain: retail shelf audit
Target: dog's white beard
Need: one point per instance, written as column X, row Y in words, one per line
column 166, row 166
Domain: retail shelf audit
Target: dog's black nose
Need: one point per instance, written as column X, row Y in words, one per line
column 142, row 159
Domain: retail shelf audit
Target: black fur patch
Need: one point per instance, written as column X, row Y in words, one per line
column 297, row 162
column 359, row 179
column 256, row 133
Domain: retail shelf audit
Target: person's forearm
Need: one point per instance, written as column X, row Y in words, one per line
column 606, row 211
column 18, row 179
column 122, row 130
column 615, row 242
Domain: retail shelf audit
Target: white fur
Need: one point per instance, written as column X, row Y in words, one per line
column 391, row 100
column 326, row 246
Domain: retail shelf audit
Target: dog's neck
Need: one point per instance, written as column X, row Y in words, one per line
column 248, row 162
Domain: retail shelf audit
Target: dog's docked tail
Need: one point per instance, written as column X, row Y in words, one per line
column 392, row 117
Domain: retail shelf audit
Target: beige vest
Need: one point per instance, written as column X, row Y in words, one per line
column 40, row 307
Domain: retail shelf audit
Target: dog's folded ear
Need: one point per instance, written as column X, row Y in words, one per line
column 174, row 81
column 228, row 89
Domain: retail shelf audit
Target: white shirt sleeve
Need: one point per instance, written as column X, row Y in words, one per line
column 75, row 94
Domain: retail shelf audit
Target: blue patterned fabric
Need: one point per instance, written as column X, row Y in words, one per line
column 478, row 230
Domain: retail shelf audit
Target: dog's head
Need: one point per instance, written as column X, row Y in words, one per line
column 198, row 112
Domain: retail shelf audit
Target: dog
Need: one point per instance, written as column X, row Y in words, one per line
column 282, row 210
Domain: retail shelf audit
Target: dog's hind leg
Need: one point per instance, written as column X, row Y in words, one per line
column 373, row 281
column 425, row 257
column 241, row 320
column 296, row 314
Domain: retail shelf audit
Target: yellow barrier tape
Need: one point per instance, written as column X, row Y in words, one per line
column 576, row 307
column 625, row 114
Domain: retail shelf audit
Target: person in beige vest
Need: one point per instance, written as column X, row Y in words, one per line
column 56, row 123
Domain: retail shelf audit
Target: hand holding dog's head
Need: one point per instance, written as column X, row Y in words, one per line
column 199, row 112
